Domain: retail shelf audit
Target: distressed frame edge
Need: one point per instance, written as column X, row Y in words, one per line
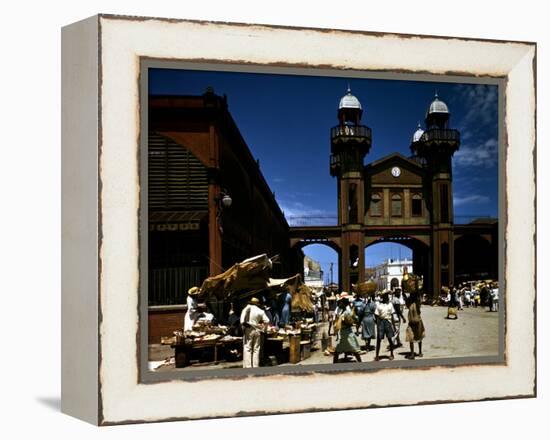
column 306, row 28
column 80, row 220
column 104, row 422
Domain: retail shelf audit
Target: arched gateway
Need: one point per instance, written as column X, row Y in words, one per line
column 404, row 199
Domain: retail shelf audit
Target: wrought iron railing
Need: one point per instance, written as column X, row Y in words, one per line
column 350, row 131
column 437, row 134
column 468, row 219
column 332, row 220
column 169, row 286
column 312, row 220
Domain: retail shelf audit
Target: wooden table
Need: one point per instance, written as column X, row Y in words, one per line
column 183, row 351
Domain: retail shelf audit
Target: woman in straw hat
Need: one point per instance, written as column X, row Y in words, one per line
column 347, row 342
column 192, row 308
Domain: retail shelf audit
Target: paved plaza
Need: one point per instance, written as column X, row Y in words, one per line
column 474, row 333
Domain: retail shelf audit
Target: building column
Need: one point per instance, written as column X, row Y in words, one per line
column 362, row 261
column 214, row 213
column 214, row 231
column 435, row 280
column 344, row 266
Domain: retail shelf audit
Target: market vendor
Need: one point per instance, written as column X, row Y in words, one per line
column 192, row 308
column 253, row 321
column 285, row 310
column 271, row 312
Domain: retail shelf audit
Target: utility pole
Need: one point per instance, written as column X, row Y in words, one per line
column 331, row 264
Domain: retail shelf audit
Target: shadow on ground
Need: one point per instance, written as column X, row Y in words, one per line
column 53, row 403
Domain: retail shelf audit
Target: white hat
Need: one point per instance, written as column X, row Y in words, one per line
column 194, row 291
column 345, row 295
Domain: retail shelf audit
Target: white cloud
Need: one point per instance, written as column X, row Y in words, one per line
column 299, row 209
column 481, row 100
column 470, row 199
column 482, row 155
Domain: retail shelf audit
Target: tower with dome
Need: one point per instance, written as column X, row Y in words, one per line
column 405, row 200
column 350, row 142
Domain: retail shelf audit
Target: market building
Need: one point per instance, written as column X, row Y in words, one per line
column 209, row 206
column 405, row 200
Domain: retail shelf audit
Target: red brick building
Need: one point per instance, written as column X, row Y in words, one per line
column 197, row 162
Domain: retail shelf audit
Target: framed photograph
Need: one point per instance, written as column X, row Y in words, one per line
column 254, row 211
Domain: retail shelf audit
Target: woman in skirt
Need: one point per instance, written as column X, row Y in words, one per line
column 348, row 341
column 415, row 329
column 453, row 305
column 367, row 322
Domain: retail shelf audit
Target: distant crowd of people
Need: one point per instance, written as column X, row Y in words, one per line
column 376, row 317
column 480, row 295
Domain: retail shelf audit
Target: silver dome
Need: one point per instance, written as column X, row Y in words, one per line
column 349, row 101
column 417, row 134
column 438, row 106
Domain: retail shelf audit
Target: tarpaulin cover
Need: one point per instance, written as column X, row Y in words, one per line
column 249, row 275
column 301, row 299
column 285, row 283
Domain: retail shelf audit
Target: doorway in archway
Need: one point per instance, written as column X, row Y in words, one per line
column 475, row 259
column 321, row 265
column 385, row 263
column 386, row 260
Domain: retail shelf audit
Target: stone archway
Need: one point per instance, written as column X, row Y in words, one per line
column 420, row 254
column 333, row 272
column 476, row 257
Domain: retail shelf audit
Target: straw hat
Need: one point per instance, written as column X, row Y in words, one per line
column 193, row 291
column 345, row 295
column 254, row 301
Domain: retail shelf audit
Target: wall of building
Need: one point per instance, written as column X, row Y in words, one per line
column 213, row 158
column 390, row 269
column 379, row 180
column 163, row 321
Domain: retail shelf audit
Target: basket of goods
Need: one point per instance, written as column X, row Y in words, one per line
column 366, row 288
column 410, row 283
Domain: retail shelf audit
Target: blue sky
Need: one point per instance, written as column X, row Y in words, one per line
column 285, row 120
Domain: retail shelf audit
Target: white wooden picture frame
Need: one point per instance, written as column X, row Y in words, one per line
column 102, row 381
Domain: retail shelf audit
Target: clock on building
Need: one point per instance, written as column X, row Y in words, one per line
column 395, row 171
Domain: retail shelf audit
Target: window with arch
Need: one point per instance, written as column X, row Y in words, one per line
column 416, row 205
column 375, row 208
column 396, row 205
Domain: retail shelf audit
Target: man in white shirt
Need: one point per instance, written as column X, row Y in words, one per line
column 494, row 297
column 253, row 321
column 397, row 317
column 384, row 312
column 467, row 297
